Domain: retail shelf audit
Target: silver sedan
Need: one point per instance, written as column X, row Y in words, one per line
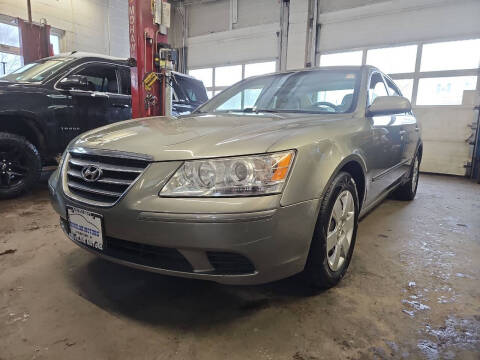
column 266, row 180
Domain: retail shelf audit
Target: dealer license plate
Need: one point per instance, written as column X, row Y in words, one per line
column 85, row 227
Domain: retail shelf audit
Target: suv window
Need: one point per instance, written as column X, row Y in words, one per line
column 125, row 80
column 392, row 88
column 376, row 88
column 100, row 78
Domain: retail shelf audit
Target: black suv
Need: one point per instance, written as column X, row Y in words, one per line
column 45, row 104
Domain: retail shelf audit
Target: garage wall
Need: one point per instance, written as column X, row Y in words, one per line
column 214, row 39
column 99, row 26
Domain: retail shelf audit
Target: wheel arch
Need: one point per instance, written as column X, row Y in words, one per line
column 24, row 125
column 355, row 166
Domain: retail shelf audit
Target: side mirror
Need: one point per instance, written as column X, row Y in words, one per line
column 389, row 105
column 73, row 82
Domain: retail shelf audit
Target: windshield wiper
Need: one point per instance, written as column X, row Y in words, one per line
column 265, row 111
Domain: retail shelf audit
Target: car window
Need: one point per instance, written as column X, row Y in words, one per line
column 102, row 78
column 189, row 90
column 392, row 88
column 376, row 88
column 125, row 80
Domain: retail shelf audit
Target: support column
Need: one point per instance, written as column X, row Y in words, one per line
column 283, row 35
column 143, row 37
column 312, row 32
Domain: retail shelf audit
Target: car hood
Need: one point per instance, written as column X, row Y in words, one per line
column 199, row 135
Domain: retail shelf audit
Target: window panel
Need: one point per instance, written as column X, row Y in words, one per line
column 391, row 87
column 125, row 81
column 228, row 75
column 393, row 60
column 204, row 75
column 406, row 87
column 9, row 63
column 9, row 35
column 377, row 88
column 209, row 94
column 343, row 58
column 55, row 41
column 452, row 55
column 260, row 68
column 100, row 78
column 444, row 90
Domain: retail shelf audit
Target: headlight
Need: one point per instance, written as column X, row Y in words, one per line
column 234, row 176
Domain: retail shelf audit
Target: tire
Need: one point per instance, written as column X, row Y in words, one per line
column 320, row 271
column 407, row 191
column 20, row 165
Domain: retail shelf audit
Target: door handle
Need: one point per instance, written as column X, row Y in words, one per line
column 99, row 94
column 126, row 106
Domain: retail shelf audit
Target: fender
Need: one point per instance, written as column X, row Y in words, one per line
column 354, row 157
column 32, row 122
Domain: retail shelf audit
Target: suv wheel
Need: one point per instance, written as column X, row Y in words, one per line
column 20, row 165
column 334, row 237
column 408, row 190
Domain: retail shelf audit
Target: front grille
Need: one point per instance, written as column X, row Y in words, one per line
column 230, row 263
column 119, row 171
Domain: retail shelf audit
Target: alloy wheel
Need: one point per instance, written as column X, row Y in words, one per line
column 340, row 230
column 13, row 167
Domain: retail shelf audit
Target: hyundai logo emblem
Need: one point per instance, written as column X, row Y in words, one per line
column 91, row 173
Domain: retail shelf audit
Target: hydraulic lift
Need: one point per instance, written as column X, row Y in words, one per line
column 151, row 56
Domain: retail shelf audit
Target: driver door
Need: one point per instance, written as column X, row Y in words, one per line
column 87, row 107
column 386, row 148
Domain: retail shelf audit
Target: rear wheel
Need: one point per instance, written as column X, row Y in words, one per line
column 335, row 233
column 20, row 165
column 408, row 190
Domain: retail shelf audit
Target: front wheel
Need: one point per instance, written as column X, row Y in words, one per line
column 20, row 165
column 335, row 233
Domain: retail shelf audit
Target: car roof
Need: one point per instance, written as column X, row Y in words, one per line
column 359, row 68
column 86, row 55
column 339, row 67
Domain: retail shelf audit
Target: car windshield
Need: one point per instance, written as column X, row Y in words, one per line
column 323, row 91
column 189, row 90
column 37, row 71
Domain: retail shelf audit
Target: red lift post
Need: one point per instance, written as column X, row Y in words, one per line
column 144, row 37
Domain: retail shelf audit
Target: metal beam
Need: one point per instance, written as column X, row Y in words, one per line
column 312, row 30
column 29, row 9
column 283, row 35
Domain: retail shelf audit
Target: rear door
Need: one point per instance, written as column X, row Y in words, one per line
column 92, row 105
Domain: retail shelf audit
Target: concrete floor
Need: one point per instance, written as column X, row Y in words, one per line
column 412, row 291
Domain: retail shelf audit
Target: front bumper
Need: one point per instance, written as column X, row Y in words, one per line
column 274, row 240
